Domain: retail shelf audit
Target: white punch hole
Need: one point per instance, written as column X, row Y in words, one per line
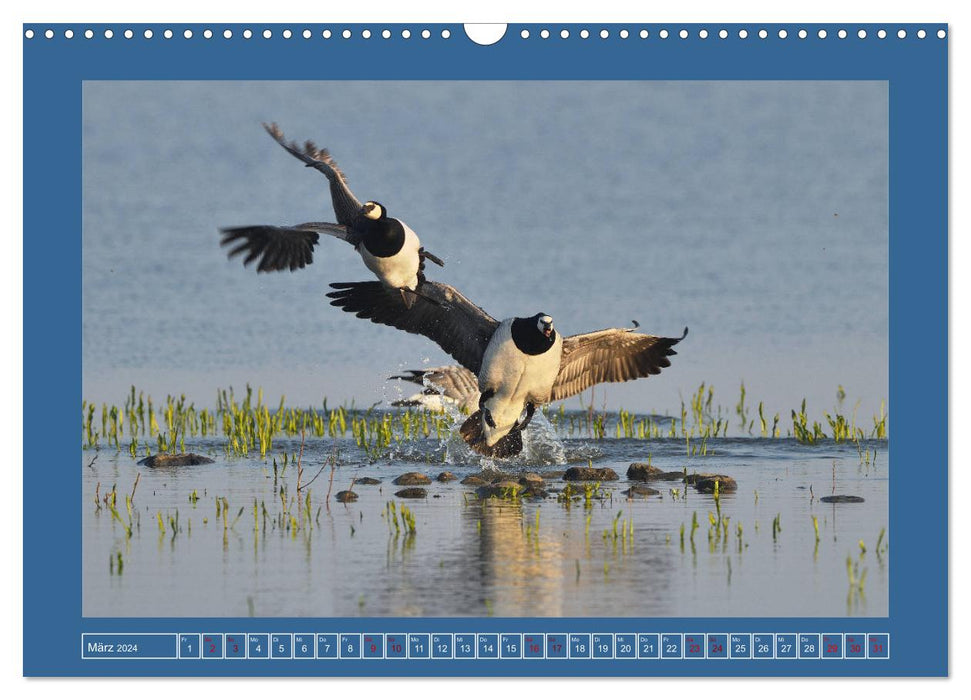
column 486, row 34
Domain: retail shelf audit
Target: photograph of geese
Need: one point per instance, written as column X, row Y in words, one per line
column 501, row 412
column 521, row 363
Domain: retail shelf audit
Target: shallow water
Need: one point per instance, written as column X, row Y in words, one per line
column 476, row 558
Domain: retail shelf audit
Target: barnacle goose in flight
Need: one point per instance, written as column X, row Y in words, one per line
column 389, row 248
column 451, row 384
column 520, row 363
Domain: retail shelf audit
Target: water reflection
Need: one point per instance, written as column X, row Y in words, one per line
column 517, row 564
column 604, row 556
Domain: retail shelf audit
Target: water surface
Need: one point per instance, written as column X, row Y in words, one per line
column 472, row 557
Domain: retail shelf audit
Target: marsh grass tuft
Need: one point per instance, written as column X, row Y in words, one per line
column 801, row 429
column 248, row 424
column 881, row 548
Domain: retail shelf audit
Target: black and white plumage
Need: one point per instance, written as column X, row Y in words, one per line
column 388, row 247
column 520, row 363
column 450, row 384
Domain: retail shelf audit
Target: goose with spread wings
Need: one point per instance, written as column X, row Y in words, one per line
column 520, row 363
column 388, row 247
column 450, row 384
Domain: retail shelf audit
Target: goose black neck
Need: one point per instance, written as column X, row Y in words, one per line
column 384, row 237
column 528, row 337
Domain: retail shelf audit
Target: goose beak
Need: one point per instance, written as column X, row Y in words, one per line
column 544, row 324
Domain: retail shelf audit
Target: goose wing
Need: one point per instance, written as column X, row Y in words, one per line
column 438, row 311
column 612, row 355
column 281, row 247
column 346, row 205
column 454, row 381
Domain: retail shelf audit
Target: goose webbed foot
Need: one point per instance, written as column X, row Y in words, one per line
column 530, row 410
column 425, row 255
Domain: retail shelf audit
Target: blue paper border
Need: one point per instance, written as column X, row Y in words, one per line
column 916, row 70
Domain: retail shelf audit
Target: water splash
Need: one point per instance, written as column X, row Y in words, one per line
column 541, row 446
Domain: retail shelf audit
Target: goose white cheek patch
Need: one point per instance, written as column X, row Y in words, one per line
column 249, row 494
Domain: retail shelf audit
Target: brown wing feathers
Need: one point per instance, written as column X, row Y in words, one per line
column 613, row 355
column 438, row 312
column 346, row 205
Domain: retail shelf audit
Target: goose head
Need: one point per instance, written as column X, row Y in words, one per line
column 374, row 211
column 544, row 324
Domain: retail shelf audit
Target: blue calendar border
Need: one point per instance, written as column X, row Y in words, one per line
column 916, row 70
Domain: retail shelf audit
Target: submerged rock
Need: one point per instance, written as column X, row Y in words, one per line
column 554, row 474
column 705, row 483
column 590, row 474
column 413, row 492
column 507, row 484
column 842, row 499
column 671, row 476
column 412, row 479
column 180, row 460
column 473, row 480
column 446, row 477
column 346, row 496
column 532, row 486
column 642, row 471
column 367, row 481
column 531, row 479
column 638, row 490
